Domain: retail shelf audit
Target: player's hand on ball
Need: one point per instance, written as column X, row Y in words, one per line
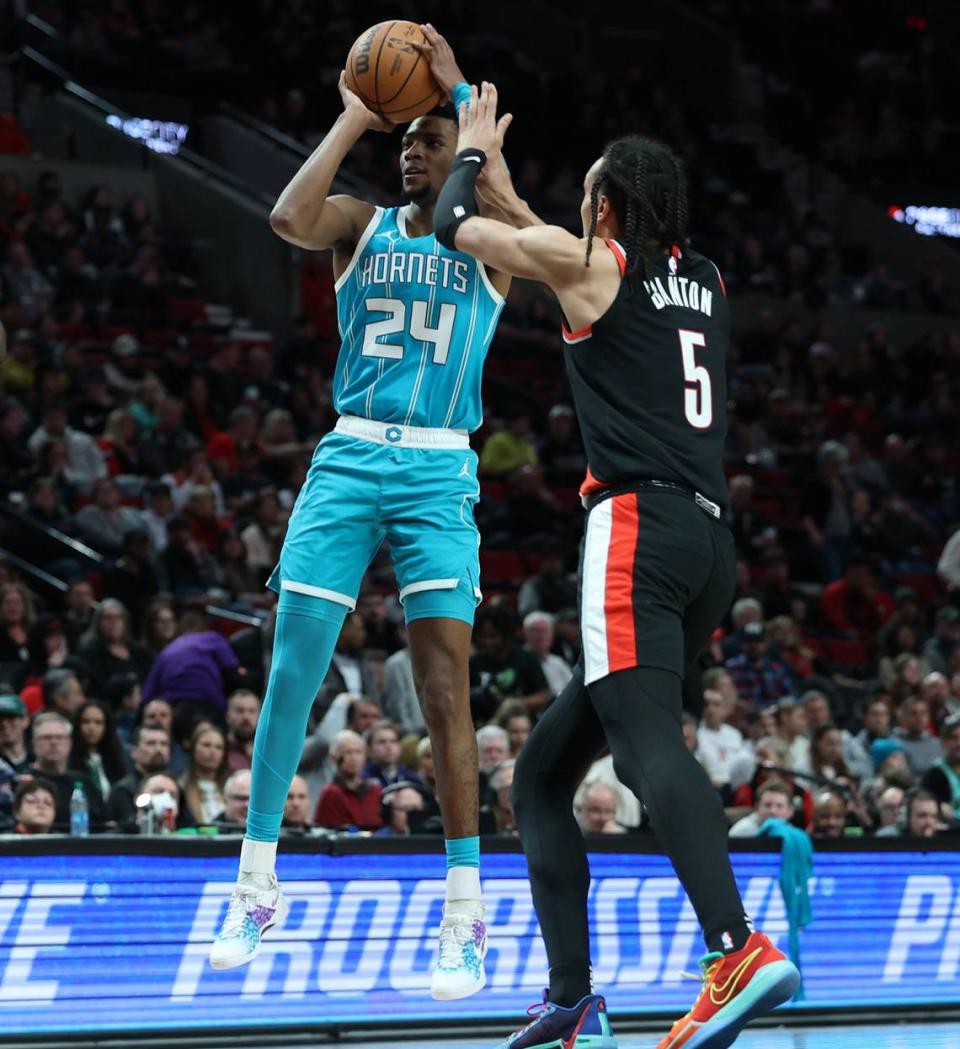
column 353, row 105
column 439, row 54
column 479, row 127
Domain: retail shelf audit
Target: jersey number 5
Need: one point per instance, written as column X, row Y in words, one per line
column 397, row 322
column 697, row 392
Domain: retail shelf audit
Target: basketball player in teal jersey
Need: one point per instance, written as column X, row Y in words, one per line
column 416, row 320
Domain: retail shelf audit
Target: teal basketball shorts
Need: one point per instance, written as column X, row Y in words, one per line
column 368, row 482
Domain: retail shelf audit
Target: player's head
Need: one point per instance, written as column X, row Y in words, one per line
column 427, row 150
column 636, row 191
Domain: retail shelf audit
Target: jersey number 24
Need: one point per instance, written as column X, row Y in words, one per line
column 396, row 322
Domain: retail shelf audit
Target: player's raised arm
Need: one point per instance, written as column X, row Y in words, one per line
column 305, row 214
column 545, row 253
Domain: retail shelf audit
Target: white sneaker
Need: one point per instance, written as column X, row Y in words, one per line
column 463, row 946
column 251, row 912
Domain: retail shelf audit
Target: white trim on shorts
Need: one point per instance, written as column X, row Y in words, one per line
column 319, row 591
column 361, row 244
column 428, row 584
column 397, row 436
column 594, row 591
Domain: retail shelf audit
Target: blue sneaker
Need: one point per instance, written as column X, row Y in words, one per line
column 585, row 1026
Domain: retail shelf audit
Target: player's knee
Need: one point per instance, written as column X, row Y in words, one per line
column 438, row 696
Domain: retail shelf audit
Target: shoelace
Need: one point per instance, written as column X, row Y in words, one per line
column 241, row 902
column 538, row 1011
column 455, row 934
column 704, row 977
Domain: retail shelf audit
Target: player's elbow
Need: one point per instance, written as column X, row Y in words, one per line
column 283, row 223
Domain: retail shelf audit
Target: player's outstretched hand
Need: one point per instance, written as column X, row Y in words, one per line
column 479, row 127
column 353, row 105
column 439, row 54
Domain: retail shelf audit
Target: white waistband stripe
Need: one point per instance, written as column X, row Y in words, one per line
column 401, row 436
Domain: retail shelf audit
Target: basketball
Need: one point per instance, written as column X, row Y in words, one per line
column 389, row 74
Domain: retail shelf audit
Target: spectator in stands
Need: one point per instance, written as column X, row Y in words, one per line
column 501, row 787
column 133, row 579
column 597, row 810
column 81, row 605
column 51, row 745
column 95, row 748
column 829, row 814
column 103, row 523
column 719, row 745
column 398, row 802
column 400, row 702
column 514, row 719
column 855, row 605
column 189, row 568
column 84, row 461
column 532, row 507
column 236, row 799
column 150, row 755
column 919, row 817
column 948, row 565
column 381, row 633
column 35, row 807
column 122, row 695
column 160, row 624
column 493, row 745
column 759, row 679
column 877, row 721
column 264, row 535
column 550, row 590
column 752, row 531
column 383, row 748
column 746, row 610
column 936, row 691
column 510, row 448
column 118, row 444
column 500, row 669
column 62, row 693
column 538, row 630
column 206, row 774
column 942, row 779
column 157, row 513
column 349, row 672
column 888, row 810
column 243, row 713
column 774, row 801
column 567, row 630
column 17, row 615
column 425, row 769
column 15, row 756
column 167, row 802
column 922, row 748
column 24, row 284
column 826, row 754
column 791, row 728
column 350, row 800
column 906, row 640
column 788, row 643
column 171, row 442
column 906, row 677
column 826, row 501
column 298, row 807
column 108, row 648
column 560, row 451
column 779, row 596
column 194, row 672
column 16, row 460
column 938, row 651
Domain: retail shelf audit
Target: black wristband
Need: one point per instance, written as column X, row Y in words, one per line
column 457, row 201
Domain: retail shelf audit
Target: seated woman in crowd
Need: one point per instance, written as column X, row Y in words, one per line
column 96, row 748
column 202, row 783
column 108, row 647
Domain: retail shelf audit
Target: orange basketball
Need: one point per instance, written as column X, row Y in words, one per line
column 390, row 76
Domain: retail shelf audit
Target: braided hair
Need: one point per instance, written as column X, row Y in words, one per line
column 647, row 188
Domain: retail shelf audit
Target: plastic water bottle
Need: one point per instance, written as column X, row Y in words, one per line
column 79, row 812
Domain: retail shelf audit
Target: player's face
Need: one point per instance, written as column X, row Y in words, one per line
column 426, row 154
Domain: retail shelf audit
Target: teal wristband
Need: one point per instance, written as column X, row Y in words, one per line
column 460, row 95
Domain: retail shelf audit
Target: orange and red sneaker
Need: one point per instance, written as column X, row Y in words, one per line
column 737, row 988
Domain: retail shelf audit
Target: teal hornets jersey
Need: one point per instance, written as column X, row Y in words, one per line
column 415, row 322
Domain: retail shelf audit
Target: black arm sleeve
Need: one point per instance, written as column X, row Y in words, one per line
column 457, row 201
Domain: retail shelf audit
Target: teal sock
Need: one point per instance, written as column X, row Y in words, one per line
column 462, row 852
column 302, row 649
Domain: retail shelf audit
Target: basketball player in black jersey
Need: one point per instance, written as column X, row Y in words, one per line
column 646, row 332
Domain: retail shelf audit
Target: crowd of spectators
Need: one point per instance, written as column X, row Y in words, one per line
column 169, row 453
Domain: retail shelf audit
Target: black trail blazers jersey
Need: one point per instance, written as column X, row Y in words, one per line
column 649, row 378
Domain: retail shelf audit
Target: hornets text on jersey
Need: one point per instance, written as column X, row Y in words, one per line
column 416, row 320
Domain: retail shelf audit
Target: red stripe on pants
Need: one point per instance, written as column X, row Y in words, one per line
column 618, row 593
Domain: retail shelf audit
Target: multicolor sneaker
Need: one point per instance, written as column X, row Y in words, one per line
column 463, row 946
column 251, row 912
column 585, row 1026
column 737, row 988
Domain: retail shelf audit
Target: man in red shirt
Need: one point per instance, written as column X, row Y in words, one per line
column 350, row 800
column 857, row 604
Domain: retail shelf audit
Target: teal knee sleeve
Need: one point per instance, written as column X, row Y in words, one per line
column 302, row 649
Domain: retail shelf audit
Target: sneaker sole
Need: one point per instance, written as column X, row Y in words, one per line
column 584, row 1041
column 773, row 985
column 283, row 909
column 461, row 992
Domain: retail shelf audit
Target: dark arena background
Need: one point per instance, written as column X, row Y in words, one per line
column 167, row 375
